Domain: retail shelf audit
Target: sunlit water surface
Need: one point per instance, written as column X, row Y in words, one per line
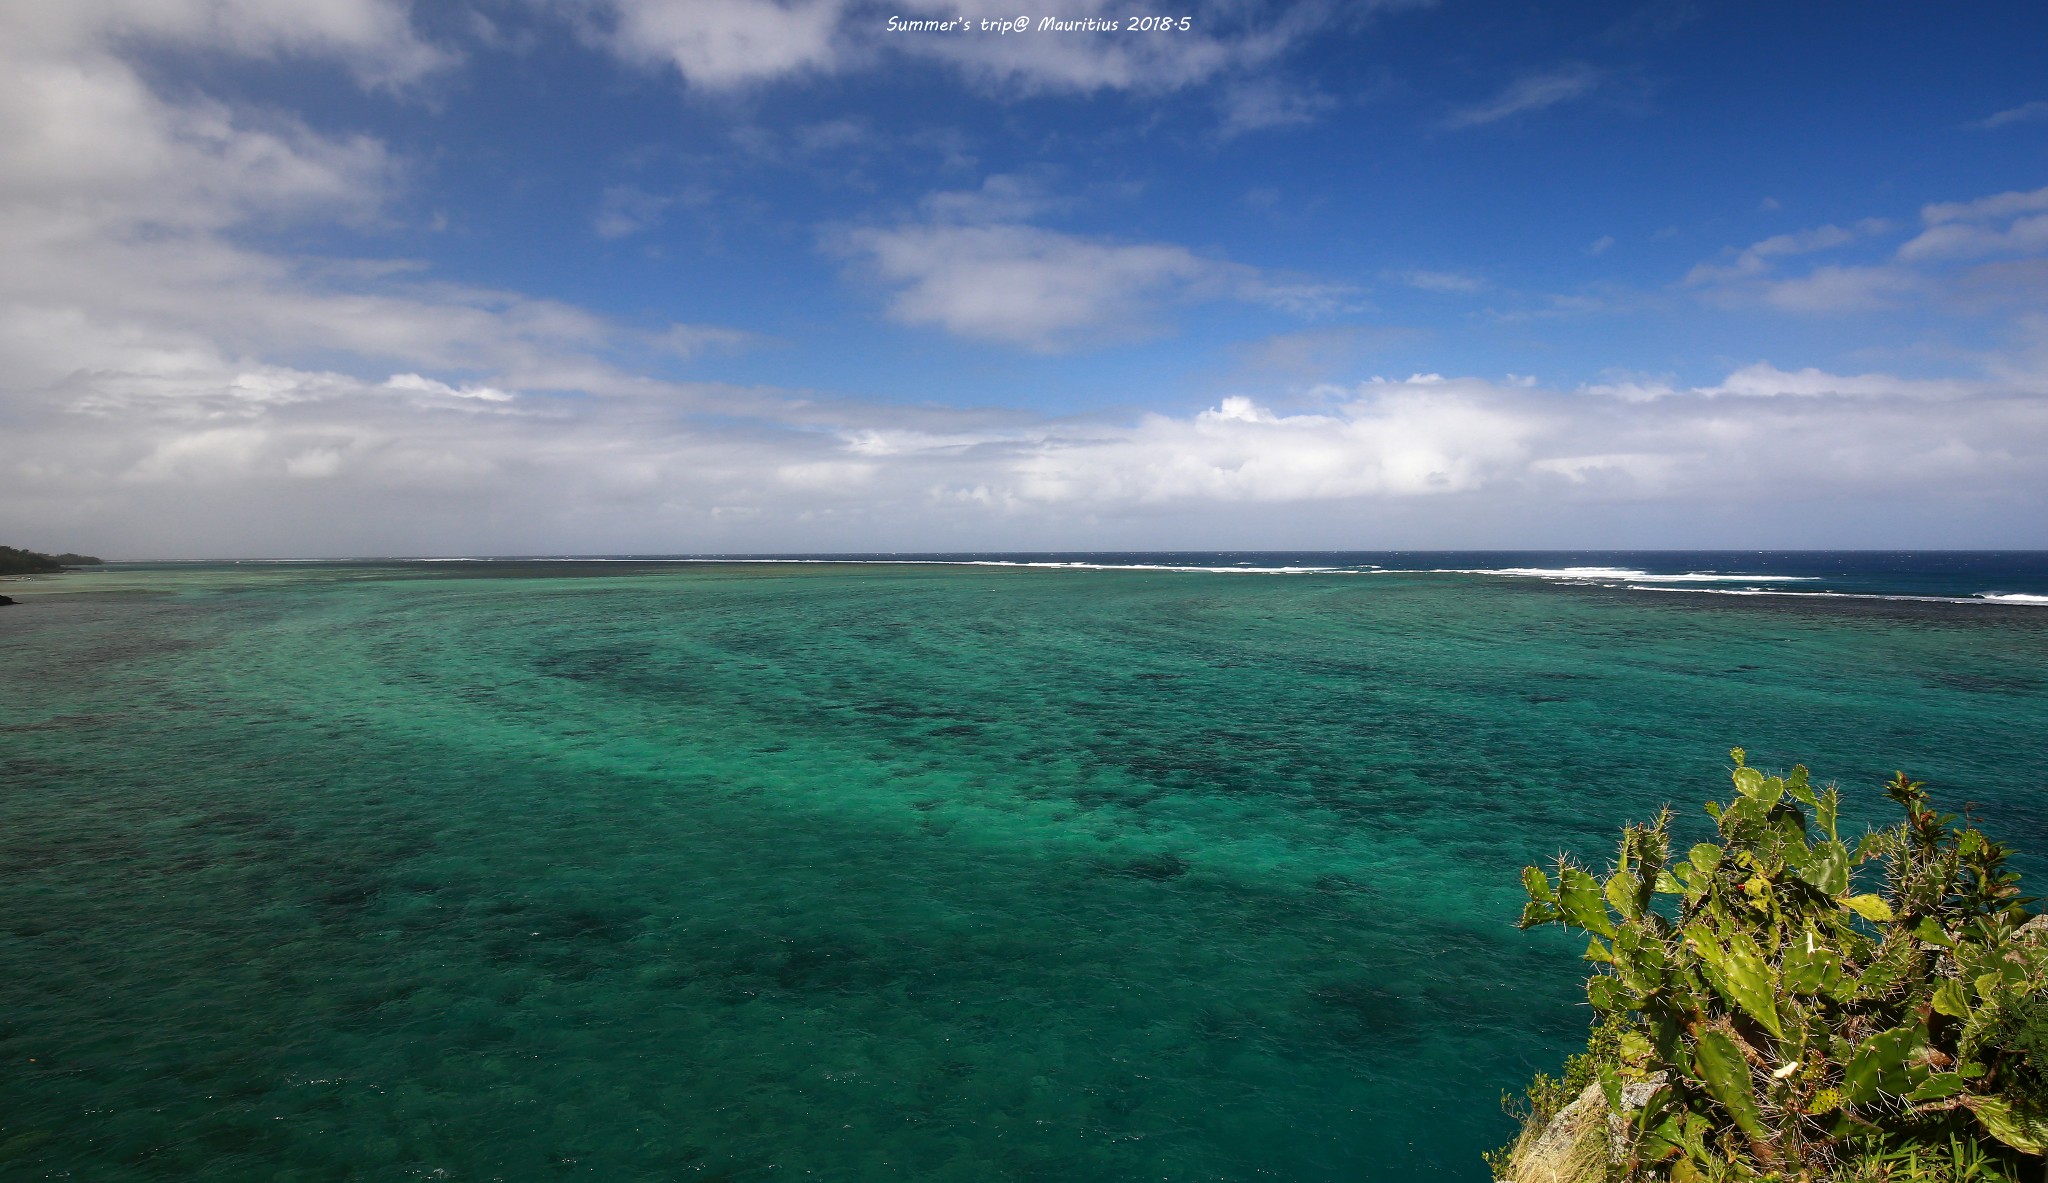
column 752, row 872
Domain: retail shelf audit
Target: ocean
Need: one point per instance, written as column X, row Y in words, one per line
column 966, row 867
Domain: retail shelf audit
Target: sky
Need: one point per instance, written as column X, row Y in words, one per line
column 362, row 277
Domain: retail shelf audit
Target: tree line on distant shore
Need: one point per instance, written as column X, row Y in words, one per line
column 15, row 561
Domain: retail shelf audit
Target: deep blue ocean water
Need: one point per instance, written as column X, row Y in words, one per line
column 1049, row 866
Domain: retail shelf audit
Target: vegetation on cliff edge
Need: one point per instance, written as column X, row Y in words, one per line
column 1761, row 1015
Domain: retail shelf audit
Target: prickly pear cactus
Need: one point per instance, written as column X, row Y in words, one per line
column 1797, row 1020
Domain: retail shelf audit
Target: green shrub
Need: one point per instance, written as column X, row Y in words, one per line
column 1786, row 1025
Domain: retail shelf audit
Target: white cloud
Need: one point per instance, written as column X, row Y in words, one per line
column 118, row 206
column 1532, row 93
column 1754, row 273
column 973, row 267
column 169, row 389
column 1764, row 380
column 2005, row 223
column 719, row 44
column 2033, row 112
column 152, row 461
column 1755, row 259
column 1002, row 197
column 1448, row 282
column 687, row 341
column 414, row 382
column 1264, row 104
column 627, row 210
column 1600, row 245
column 1998, row 205
column 1842, row 289
column 372, row 38
column 1023, row 285
column 726, row 44
column 218, row 459
column 1400, row 441
column 1936, row 267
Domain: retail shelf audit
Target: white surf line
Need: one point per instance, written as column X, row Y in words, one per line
column 1595, row 574
column 1978, row 598
column 1041, row 564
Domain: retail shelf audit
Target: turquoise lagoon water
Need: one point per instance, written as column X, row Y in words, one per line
column 645, row 872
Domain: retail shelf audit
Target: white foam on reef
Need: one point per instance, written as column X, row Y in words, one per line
column 1044, row 563
column 1595, row 574
column 1979, row 598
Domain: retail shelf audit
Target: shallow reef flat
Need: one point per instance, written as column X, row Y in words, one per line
column 760, row 871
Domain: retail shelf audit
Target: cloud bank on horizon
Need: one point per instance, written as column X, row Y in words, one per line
column 585, row 276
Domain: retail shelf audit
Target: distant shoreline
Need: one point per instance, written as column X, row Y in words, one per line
column 15, row 561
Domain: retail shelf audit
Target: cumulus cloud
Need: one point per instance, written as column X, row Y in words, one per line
column 223, row 459
column 1842, row 289
column 719, row 44
column 1756, row 273
column 119, row 207
column 1534, row 92
column 722, row 45
column 1943, row 263
column 1764, row 380
column 2005, row 223
column 171, row 390
column 372, row 38
column 972, row 267
column 1755, row 259
column 1405, row 440
column 1022, row 285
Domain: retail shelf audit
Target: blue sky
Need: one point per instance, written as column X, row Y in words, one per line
column 363, row 277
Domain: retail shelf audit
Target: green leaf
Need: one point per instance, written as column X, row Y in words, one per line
column 1537, row 884
column 1621, row 893
column 1756, row 986
column 1810, row 966
column 1578, row 895
column 1929, row 931
column 1608, row 995
column 1738, row 972
column 2025, row 1135
column 1938, row 1087
column 1950, row 999
column 1796, row 784
column 1870, row 907
column 1726, row 1075
column 1706, row 856
column 1879, row 1065
column 1749, row 782
column 1828, row 873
